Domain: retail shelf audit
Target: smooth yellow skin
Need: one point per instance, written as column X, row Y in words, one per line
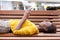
column 28, row 28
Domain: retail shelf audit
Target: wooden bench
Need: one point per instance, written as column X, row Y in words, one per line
column 36, row 17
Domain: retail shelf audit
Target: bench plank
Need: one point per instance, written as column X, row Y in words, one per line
column 56, row 23
column 37, row 35
column 30, row 38
column 32, row 13
column 31, row 17
column 40, row 20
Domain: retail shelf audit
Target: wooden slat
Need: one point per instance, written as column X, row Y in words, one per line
column 37, row 35
column 30, row 38
column 40, row 20
column 32, row 13
column 56, row 23
column 58, row 30
column 34, row 17
column 56, row 20
column 57, row 26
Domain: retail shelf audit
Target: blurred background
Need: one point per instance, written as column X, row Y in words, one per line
column 25, row 4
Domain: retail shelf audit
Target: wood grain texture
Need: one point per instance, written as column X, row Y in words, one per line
column 30, row 38
column 17, row 12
